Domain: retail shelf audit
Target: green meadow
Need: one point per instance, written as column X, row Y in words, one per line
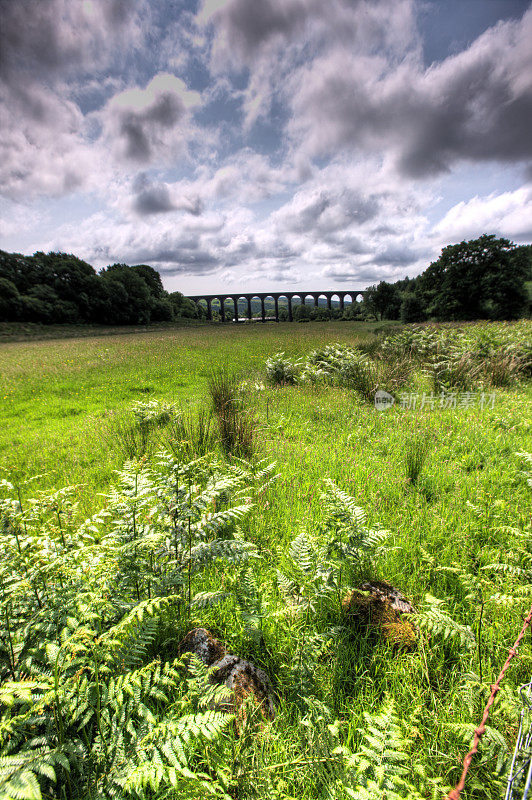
column 59, row 397
column 361, row 714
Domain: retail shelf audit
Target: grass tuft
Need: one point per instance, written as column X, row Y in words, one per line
column 190, row 434
column 416, row 451
column 236, row 423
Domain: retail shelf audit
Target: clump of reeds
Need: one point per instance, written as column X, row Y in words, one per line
column 190, row 434
column 363, row 376
column 454, row 370
column 236, row 424
column 134, row 433
column 504, row 368
column 416, row 452
column 134, row 440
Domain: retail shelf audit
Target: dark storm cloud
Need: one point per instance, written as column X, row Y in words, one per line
column 170, row 260
column 45, row 46
column 136, row 127
column 155, row 198
column 42, row 37
column 245, row 29
column 475, row 106
column 248, row 24
column 354, row 277
column 194, row 263
column 326, row 211
column 151, row 198
column 143, row 124
column 396, row 256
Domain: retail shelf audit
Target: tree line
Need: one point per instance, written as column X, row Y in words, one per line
column 61, row 288
column 485, row 278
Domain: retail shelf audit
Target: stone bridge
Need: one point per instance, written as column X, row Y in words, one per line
column 234, row 297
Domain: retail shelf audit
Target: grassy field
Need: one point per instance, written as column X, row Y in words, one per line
column 59, row 397
column 460, row 534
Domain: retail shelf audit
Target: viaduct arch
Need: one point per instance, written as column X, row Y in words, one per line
column 230, row 301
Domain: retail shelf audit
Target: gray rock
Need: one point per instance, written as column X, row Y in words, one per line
column 387, row 593
column 241, row 677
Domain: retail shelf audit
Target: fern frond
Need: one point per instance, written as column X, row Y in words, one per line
column 493, row 746
column 439, row 623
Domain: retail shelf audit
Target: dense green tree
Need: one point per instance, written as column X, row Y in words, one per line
column 412, row 309
column 151, row 278
column 183, row 307
column 320, row 314
column 383, row 300
column 301, row 313
column 10, row 300
column 477, row 279
column 352, row 311
column 162, row 310
column 482, row 278
column 130, row 301
column 522, row 256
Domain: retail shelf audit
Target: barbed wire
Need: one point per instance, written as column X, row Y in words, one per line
column 479, row 732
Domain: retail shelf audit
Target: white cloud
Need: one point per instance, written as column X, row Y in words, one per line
column 508, row 214
column 310, row 156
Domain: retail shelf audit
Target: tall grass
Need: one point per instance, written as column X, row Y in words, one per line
column 504, row 368
column 236, row 423
column 416, row 451
column 131, row 439
column 190, row 434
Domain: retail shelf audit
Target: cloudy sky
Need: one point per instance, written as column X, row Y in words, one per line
column 264, row 144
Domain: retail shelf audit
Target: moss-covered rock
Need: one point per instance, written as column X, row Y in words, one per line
column 383, row 608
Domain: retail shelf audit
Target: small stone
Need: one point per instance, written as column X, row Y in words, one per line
column 388, row 594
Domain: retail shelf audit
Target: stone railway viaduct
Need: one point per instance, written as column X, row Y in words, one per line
column 234, row 297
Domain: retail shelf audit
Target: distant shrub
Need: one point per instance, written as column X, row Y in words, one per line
column 460, row 356
column 341, row 365
column 331, row 363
